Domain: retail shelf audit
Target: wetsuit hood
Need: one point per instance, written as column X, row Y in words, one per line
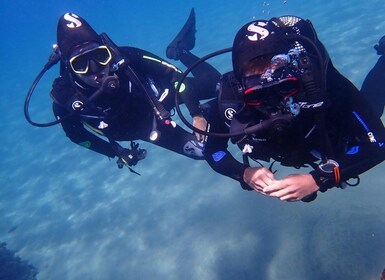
column 72, row 31
column 255, row 39
column 264, row 38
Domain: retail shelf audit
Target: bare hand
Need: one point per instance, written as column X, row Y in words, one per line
column 258, row 178
column 292, row 188
column 200, row 123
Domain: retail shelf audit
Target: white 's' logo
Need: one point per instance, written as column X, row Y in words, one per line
column 229, row 113
column 77, row 105
column 259, row 31
column 73, row 19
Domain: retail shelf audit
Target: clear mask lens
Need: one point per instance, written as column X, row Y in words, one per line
column 277, row 82
column 271, row 94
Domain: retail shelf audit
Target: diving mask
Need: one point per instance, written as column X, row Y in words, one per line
column 278, row 81
column 80, row 64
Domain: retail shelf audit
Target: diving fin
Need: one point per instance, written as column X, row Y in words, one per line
column 185, row 40
column 380, row 47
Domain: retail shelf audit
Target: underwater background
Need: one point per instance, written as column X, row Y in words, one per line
column 73, row 214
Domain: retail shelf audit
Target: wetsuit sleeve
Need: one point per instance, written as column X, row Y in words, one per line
column 76, row 132
column 216, row 150
column 367, row 149
column 362, row 131
column 221, row 160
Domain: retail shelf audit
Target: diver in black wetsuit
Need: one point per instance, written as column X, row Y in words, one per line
column 106, row 94
column 285, row 101
column 373, row 87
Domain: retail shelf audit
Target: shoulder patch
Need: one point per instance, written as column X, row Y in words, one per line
column 217, row 156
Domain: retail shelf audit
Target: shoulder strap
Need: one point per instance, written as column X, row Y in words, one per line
column 160, row 112
column 230, row 99
column 121, row 60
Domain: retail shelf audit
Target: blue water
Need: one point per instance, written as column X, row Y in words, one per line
column 74, row 215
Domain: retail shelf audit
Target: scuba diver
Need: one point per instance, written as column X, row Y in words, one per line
column 106, row 94
column 284, row 101
column 373, row 87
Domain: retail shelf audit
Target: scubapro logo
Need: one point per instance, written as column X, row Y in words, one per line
column 229, row 113
column 73, row 19
column 77, row 105
column 258, row 30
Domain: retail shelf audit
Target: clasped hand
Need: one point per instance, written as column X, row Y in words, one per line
column 293, row 187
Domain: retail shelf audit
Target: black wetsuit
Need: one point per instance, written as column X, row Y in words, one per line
column 373, row 87
column 356, row 135
column 126, row 114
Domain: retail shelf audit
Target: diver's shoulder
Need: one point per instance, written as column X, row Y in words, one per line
column 136, row 52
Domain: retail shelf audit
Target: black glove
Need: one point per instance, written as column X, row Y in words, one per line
column 131, row 157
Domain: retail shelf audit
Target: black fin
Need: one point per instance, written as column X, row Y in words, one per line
column 185, row 40
column 380, row 47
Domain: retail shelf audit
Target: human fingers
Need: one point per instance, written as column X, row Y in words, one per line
column 258, row 188
column 264, row 177
column 200, row 137
column 268, row 179
column 273, row 187
column 290, row 198
column 283, row 192
column 258, row 184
